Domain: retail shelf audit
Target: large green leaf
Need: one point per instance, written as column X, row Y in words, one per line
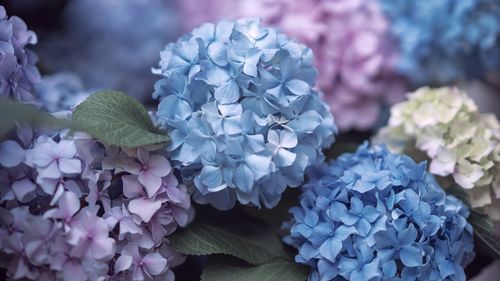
column 484, row 231
column 257, row 247
column 12, row 112
column 220, row 269
column 117, row 119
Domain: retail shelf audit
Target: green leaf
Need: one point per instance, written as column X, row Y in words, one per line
column 220, row 269
column 257, row 247
column 117, row 119
column 484, row 231
column 12, row 112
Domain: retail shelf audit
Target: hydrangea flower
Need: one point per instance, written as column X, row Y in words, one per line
column 445, row 126
column 116, row 49
column 351, row 44
column 18, row 73
column 61, row 91
column 74, row 209
column 445, row 41
column 238, row 101
column 374, row 215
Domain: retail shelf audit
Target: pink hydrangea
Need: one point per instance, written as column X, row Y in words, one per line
column 350, row 41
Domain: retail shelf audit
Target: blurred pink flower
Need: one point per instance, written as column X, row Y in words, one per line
column 350, row 41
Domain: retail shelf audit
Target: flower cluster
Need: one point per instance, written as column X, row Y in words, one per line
column 373, row 215
column 238, row 101
column 18, row 73
column 446, row 126
column 445, row 41
column 351, row 44
column 72, row 209
column 61, row 91
column 116, row 49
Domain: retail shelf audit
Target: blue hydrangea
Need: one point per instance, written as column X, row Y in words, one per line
column 447, row 40
column 238, row 101
column 18, row 73
column 61, row 91
column 374, row 215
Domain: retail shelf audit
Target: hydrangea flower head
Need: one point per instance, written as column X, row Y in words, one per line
column 73, row 209
column 238, row 101
column 351, row 45
column 445, row 41
column 444, row 124
column 61, row 91
column 18, row 73
column 374, row 215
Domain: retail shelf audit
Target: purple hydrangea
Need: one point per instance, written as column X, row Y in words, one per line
column 350, row 40
column 374, row 215
column 18, row 73
column 74, row 209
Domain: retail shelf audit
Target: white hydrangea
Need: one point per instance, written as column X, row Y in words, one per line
column 446, row 127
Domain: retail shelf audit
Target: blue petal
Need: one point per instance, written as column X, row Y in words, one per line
column 330, row 249
column 410, row 256
column 298, row 87
column 243, row 178
column 227, row 93
column 174, row 108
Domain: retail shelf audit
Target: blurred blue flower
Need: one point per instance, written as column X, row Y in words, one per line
column 238, row 100
column 116, row 49
column 445, row 41
column 61, row 91
column 373, row 215
column 18, row 73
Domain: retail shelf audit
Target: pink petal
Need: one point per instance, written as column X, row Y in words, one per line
column 127, row 225
column 178, row 196
column 103, row 249
column 154, row 263
column 157, row 230
column 50, row 172
column 159, row 165
column 73, row 270
column 137, row 274
column 151, row 182
column 144, row 208
column 48, row 185
column 65, row 149
column 123, row 263
column 133, row 167
column 181, row 216
column 70, row 166
column 131, row 187
column 24, row 190
column 142, row 155
column 68, row 205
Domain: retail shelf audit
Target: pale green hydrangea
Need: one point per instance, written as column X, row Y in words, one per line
column 445, row 126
